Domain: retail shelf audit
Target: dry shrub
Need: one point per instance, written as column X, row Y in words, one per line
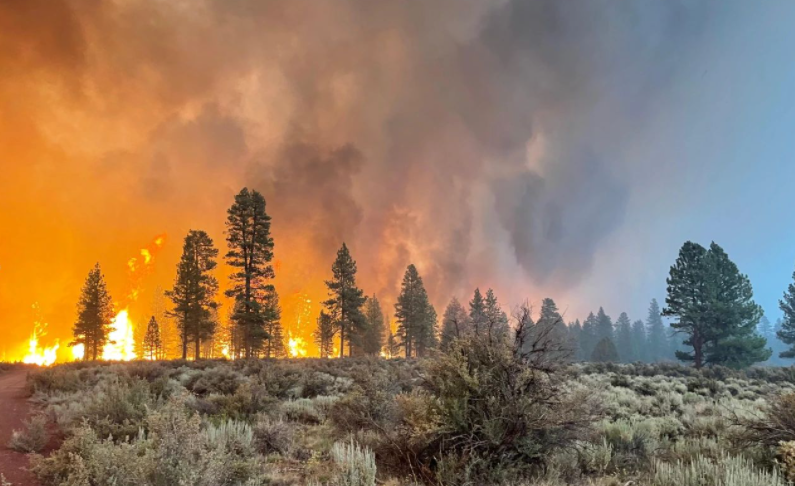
column 785, row 455
column 33, row 438
column 775, row 425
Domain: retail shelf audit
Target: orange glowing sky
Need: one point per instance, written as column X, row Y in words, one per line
column 495, row 144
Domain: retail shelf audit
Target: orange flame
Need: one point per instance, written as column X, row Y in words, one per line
column 297, row 347
column 121, row 343
column 40, row 356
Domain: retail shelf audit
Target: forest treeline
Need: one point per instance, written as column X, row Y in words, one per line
column 713, row 317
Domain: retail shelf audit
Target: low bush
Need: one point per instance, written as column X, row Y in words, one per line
column 356, row 464
column 725, row 471
column 33, row 437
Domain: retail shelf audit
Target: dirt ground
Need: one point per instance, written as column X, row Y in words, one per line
column 14, row 409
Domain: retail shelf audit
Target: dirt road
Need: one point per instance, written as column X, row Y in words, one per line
column 14, row 409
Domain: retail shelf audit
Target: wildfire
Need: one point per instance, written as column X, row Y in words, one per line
column 121, row 343
column 36, row 355
column 297, row 347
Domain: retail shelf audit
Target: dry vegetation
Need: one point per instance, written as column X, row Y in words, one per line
column 481, row 414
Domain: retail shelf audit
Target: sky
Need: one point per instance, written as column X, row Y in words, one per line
column 542, row 148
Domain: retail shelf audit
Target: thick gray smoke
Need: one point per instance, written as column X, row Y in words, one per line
column 467, row 137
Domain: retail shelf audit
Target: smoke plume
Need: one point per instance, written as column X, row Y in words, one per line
column 468, row 137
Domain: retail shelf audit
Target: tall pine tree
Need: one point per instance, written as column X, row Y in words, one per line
column 786, row 332
column 714, row 305
column 657, row 337
column 415, row 315
column 575, row 334
column 193, row 294
column 345, row 301
column 248, row 237
column 496, row 319
column 153, row 345
column 639, row 349
column 94, row 315
column 324, row 335
column 373, row 338
column 733, row 315
column 455, row 324
column 624, row 339
column 477, row 313
column 604, row 325
column 588, row 337
column 550, row 318
column 271, row 310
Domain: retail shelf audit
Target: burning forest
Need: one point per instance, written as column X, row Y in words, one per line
column 360, row 243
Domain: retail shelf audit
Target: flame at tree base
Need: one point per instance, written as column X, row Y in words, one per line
column 121, row 340
column 40, row 356
column 296, row 347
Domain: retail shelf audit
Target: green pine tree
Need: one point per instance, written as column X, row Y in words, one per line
column 588, row 337
column 373, row 338
column 248, row 237
column 658, row 345
column 604, row 326
column 714, row 305
column 496, row 319
column 455, row 324
column 324, row 335
column 193, row 294
column 415, row 315
column 94, row 315
column 623, row 336
column 153, row 345
column 575, row 335
column 550, row 318
column 345, row 301
column 733, row 315
column 605, row 351
column 477, row 313
column 273, row 346
column 639, row 349
column 786, row 331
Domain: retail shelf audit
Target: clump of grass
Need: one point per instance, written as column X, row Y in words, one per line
column 356, row 464
column 725, row 471
column 33, row 438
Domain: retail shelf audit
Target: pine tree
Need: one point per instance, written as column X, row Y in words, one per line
column 687, row 300
column 786, row 333
column 273, row 346
column 550, row 318
column 477, row 313
column 392, row 345
column 624, row 338
column 345, row 300
column 153, row 346
column 94, row 315
column 733, row 314
column 193, row 294
column 496, row 319
column 714, row 304
column 639, row 349
column 324, row 335
column 604, row 326
column 575, row 335
column 455, row 324
column 415, row 315
column 658, row 345
column 373, row 339
column 605, row 351
column 248, row 237
column 588, row 336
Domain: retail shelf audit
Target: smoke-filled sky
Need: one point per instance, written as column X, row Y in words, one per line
column 543, row 148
